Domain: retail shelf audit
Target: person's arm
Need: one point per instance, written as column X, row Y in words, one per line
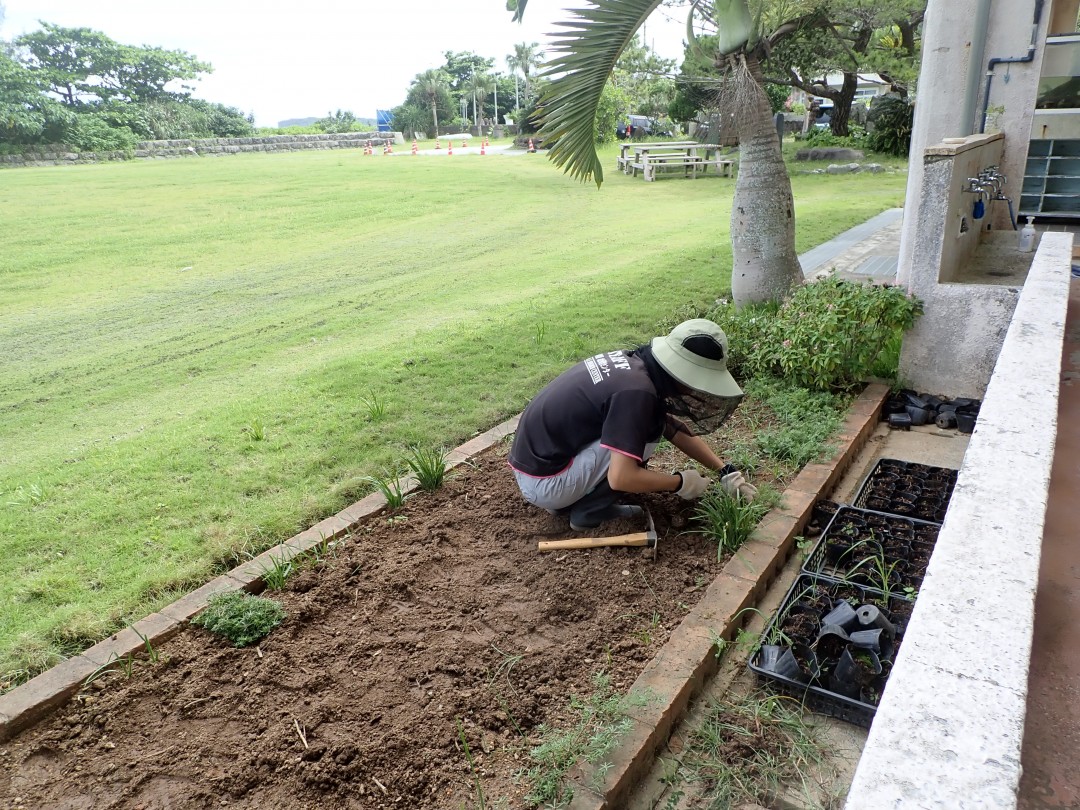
column 696, row 448
column 625, row 475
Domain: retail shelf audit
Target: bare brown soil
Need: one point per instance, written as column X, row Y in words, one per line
column 445, row 612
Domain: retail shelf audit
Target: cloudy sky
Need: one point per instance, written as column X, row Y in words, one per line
column 310, row 57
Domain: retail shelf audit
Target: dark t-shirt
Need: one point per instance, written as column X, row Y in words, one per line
column 609, row 397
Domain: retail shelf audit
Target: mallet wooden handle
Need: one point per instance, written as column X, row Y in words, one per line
column 636, row 539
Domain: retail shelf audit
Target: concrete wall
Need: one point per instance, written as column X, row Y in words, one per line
column 949, row 728
column 954, row 345
column 59, row 155
column 954, row 63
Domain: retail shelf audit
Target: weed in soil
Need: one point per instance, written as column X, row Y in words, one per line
column 601, row 721
column 428, row 464
column 240, row 617
column 743, row 751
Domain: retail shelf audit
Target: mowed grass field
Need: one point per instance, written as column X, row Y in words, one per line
column 154, row 315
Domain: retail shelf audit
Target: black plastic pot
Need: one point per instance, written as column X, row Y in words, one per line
column 965, row 422
column 831, row 641
column 842, row 615
column 919, row 416
column 900, row 421
column 779, row 660
column 946, row 420
column 849, row 677
column 809, row 665
column 870, row 616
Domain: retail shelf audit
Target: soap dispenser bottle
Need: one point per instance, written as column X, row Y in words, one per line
column 1027, row 236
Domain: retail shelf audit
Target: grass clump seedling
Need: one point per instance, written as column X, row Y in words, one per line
column 254, row 430
column 727, row 520
column 240, row 618
column 428, row 465
column 390, row 487
column 376, row 408
column 279, row 570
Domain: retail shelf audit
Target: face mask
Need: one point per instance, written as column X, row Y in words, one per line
column 707, row 412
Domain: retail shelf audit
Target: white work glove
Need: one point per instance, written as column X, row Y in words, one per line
column 737, row 486
column 693, row 485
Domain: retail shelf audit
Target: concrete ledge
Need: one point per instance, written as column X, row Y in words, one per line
column 26, row 704
column 679, row 670
column 949, row 728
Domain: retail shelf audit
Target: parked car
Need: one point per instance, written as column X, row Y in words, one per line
column 640, row 126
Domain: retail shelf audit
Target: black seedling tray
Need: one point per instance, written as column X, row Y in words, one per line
column 905, row 488
column 862, row 547
column 812, row 687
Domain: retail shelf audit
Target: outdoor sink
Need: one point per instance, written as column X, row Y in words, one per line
column 997, row 260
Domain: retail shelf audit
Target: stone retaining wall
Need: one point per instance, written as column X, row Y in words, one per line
column 59, row 155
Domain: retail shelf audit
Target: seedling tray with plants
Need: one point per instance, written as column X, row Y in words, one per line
column 905, row 488
column 832, row 646
column 885, row 553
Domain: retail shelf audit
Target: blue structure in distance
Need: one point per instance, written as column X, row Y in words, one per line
column 383, row 119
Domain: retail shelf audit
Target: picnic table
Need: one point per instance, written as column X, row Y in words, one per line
column 692, row 157
column 624, row 150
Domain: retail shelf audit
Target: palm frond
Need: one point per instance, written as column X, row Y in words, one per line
column 594, row 39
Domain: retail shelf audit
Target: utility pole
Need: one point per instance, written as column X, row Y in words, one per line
column 496, row 99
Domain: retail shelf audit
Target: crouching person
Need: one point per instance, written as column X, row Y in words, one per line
column 585, row 440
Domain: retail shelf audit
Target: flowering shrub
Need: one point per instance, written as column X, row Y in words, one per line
column 827, row 337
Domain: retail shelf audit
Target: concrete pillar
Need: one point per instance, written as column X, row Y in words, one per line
column 946, row 61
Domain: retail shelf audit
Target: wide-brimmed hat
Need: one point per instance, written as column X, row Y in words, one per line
column 695, row 353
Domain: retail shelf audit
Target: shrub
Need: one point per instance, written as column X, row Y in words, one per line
column 892, row 119
column 828, row 336
column 858, row 138
column 240, row 617
column 92, row 134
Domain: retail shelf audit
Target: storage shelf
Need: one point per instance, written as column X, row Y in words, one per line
column 1051, row 186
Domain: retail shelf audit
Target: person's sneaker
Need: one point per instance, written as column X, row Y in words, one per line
column 619, row 510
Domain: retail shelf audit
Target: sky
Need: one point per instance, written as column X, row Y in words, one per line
column 312, row 57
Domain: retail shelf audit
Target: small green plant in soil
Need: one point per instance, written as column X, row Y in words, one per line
column 744, row 750
column 390, row 487
column 275, row 575
column 727, row 520
column 240, row 617
column 428, row 464
column 472, row 765
column 601, row 721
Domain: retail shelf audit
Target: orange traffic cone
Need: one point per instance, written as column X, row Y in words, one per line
column 389, row 147
column 449, row 148
column 531, row 147
column 463, row 144
column 437, row 146
column 482, row 148
column 414, row 146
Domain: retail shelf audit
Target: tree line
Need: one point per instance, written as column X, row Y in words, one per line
column 79, row 87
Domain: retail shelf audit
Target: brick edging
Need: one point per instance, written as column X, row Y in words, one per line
column 28, row 703
column 679, row 670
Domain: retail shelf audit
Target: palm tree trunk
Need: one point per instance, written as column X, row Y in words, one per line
column 435, row 118
column 765, row 266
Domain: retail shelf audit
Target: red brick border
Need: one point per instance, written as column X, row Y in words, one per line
column 679, row 670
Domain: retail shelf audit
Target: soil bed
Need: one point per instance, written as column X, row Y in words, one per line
column 441, row 613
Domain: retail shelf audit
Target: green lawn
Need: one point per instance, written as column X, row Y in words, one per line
column 151, row 311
